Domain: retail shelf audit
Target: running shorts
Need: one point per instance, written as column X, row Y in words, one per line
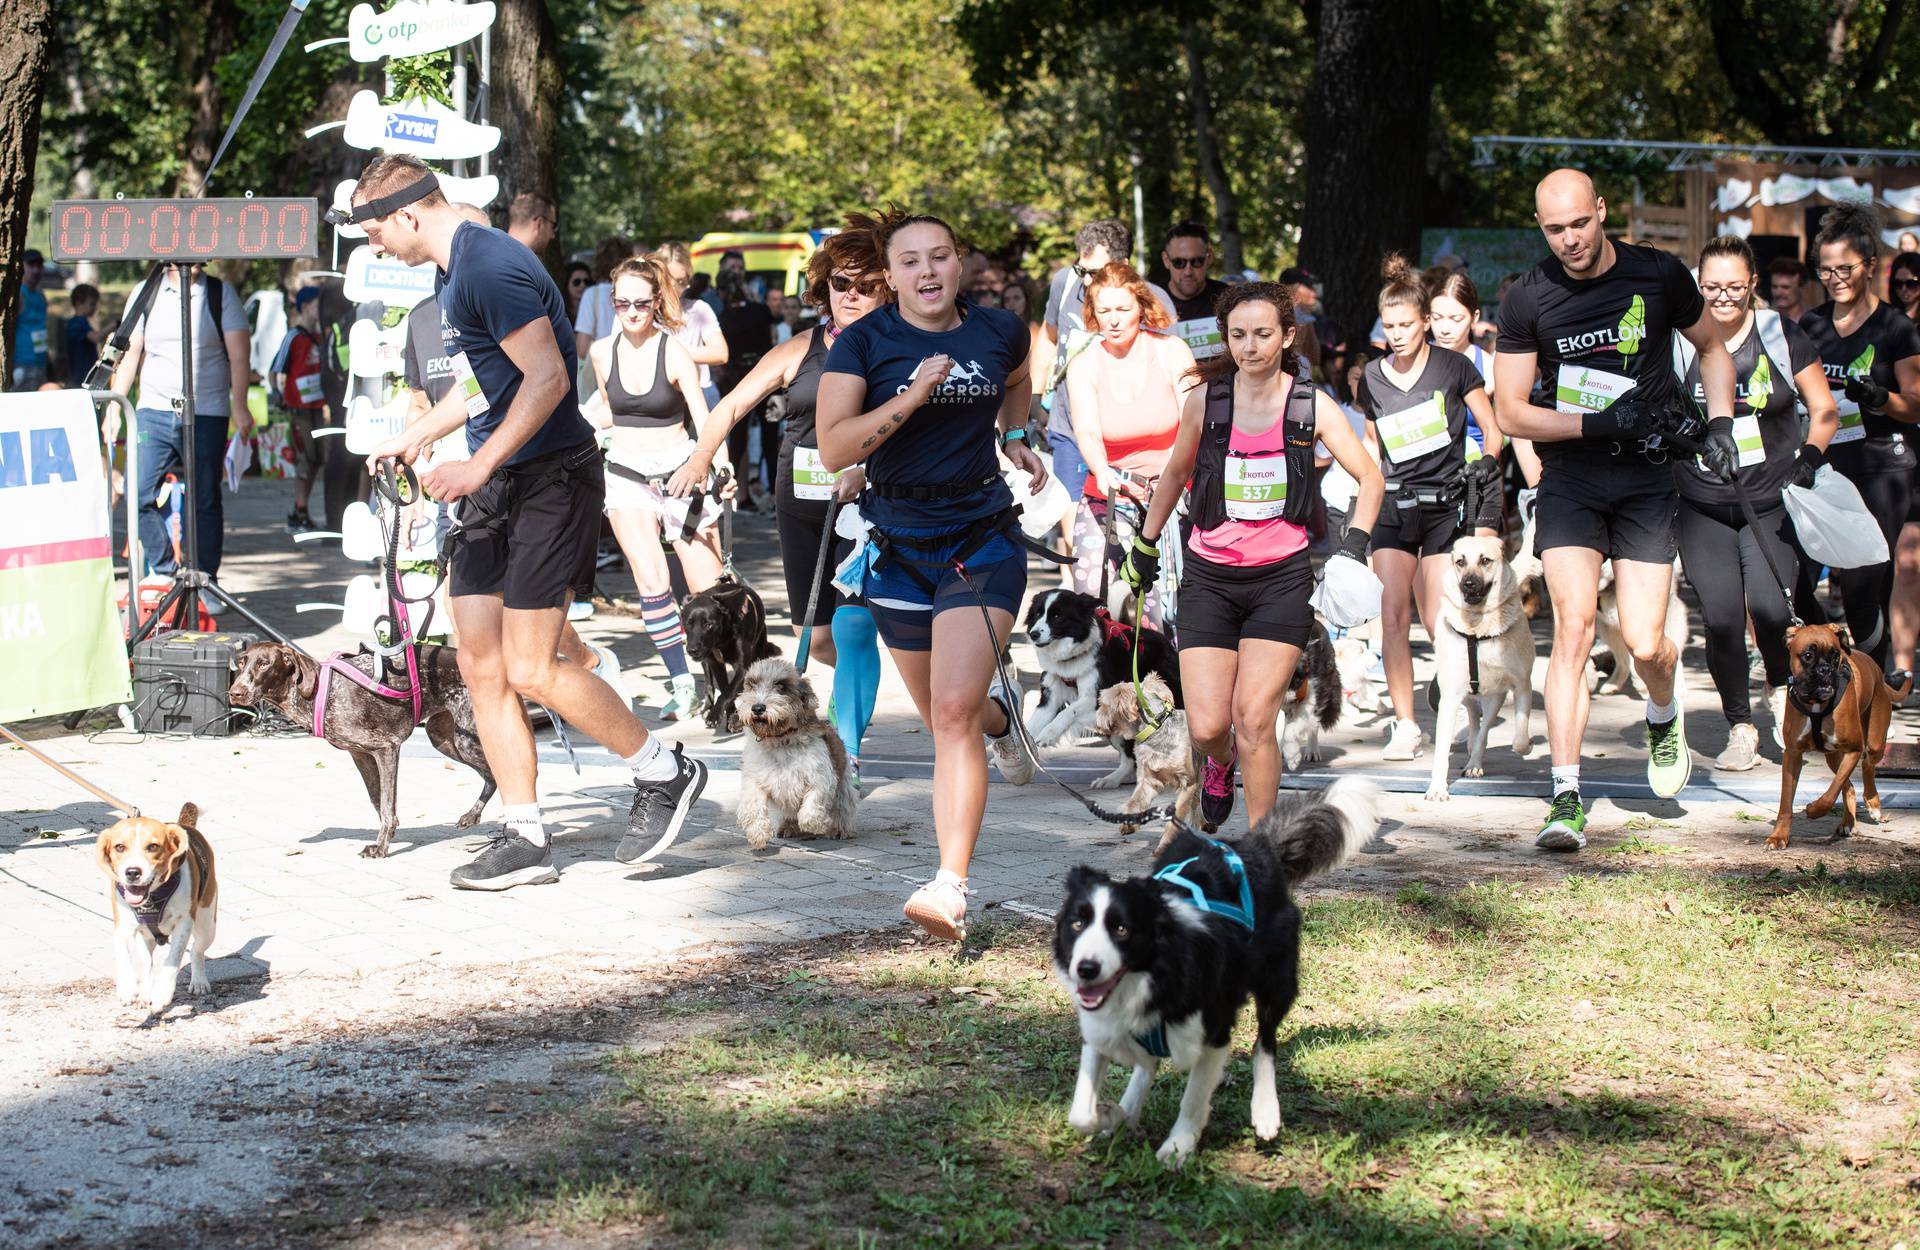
column 1620, row 506
column 1222, row 607
column 530, row 533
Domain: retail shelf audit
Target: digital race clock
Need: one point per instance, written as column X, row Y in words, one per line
column 189, row 230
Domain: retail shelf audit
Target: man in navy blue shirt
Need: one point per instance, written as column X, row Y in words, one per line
column 528, row 505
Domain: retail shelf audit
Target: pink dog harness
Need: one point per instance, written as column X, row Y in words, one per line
column 388, row 484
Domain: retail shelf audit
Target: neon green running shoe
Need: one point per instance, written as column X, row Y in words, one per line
column 1566, row 827
column 1669, row 762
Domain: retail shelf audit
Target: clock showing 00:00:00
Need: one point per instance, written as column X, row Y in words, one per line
column 197, row 230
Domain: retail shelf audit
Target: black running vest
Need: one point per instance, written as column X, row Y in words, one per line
column 1207, row 492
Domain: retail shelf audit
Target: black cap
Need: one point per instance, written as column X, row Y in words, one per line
column 1296, row 276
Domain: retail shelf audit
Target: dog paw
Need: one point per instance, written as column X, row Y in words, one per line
column 1473, row 770
column 374, row 851
column 198, row 986
column 1105, row 1119
column 1176, row 1150
column 1523, row 749
column 1437, row 792
column 1266, row 1122
column 467, row 821
column 1777, row 841
column 1818, row 808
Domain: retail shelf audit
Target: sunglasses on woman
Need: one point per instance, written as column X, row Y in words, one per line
column 1906, row 282
column 637, row 305
column 842, row 283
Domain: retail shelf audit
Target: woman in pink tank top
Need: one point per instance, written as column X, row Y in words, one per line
column 1244, row 612
column 1126, row 411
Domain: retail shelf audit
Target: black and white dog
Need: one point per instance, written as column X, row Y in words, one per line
column 1159, row 966
column 1082, row 651
column 1312, row 702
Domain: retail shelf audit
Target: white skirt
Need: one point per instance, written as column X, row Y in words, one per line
column 651, row 496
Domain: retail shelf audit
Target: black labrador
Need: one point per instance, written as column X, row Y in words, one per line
column 726, row 628
column 367, row 726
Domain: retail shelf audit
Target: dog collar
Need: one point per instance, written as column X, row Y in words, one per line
column 1242, row 914
column 1154, row 1040
column 148, row 910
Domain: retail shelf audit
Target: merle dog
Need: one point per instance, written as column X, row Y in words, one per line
column 726, row 628
column 367, row 726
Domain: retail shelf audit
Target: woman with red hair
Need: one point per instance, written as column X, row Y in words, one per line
column 1125, row 400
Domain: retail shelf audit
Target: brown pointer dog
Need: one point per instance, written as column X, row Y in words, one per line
column 1838, row 703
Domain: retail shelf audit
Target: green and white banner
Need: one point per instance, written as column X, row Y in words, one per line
column 61, row 644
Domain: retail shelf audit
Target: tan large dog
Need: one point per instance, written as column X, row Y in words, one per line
column 1482, row 631
column 165, row 901
column 1838, row 703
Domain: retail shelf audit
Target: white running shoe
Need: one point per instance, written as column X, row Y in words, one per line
column 940, row 907
column 1743, row 750
column 1404, row 742
column 1777, row 707
column 607, row 669
column 1008, row 755
column 683, row 696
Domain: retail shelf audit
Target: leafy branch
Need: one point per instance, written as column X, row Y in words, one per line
column 424, row 75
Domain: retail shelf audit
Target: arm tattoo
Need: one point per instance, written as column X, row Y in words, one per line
column 886, row 428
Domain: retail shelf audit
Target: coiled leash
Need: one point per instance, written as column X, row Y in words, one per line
column 1018, row 726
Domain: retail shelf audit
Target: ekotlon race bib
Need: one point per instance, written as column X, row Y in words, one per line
column 307, row 387
column 1256, row 487
column 1746, row 436
column 811, row 479
column 1582, row 388
column 476, row 398
column 1413, row 432
column 1201, row 335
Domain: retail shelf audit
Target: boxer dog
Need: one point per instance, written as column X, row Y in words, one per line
column 1838, row 703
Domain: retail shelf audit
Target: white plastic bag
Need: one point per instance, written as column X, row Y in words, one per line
column 1348, row 595
column 1833, row 524
column 1039, row 514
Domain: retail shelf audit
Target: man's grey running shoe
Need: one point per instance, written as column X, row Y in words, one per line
column 659, row 809
column 506, row 861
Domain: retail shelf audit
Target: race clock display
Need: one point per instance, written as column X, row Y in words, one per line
column 187, row 230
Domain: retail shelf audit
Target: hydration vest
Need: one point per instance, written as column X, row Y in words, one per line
column 1773, row 342
column 1207, row 492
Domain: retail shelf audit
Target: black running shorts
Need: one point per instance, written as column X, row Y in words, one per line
column 529, row 534
column 1434, row 527
column 1620, row 506
column 1221, row 606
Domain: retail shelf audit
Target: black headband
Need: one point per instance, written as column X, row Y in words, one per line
column 419, row 189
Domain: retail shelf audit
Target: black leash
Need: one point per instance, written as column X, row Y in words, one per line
column 819, row 575
column 1017, row 725
column 1766, row 551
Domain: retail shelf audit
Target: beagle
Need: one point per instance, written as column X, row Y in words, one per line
column 164, row 902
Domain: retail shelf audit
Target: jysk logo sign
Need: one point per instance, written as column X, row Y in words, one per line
column 415, row 129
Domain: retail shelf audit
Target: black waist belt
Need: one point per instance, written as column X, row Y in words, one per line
column 964, row 542
column 938, row 490
column 1451, row 493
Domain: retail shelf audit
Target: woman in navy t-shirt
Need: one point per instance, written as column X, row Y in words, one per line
column 926, row 391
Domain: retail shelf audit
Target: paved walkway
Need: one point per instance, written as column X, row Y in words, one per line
column 288, row 816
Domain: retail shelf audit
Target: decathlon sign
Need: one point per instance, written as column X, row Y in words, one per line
column 409, row 29
column 416, row 127
column 385, row 279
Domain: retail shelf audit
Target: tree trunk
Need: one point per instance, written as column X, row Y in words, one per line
column 81, row 184
column 1226, row 205
column 221, row 30
column 1371, row 105
column 23, row 80
column 524, row 97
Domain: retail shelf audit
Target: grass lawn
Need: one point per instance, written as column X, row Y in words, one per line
column 1641, row 1057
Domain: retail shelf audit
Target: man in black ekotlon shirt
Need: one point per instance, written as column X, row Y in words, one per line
column 1595, row 321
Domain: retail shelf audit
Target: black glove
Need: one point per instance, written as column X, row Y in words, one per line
column 1806, row 464
column 1719, row 454
column 1141, row 569
column 1354, row 543
column 1868, row 393
column 1628, row 420
column 1486, row 474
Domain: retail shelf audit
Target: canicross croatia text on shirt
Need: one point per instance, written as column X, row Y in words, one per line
column 1422, row 430
column 493, row 286
column 951, row 437
column 1866, row 441
column 1600, row 340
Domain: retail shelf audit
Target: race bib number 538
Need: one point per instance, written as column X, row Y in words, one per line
column 1581, row 388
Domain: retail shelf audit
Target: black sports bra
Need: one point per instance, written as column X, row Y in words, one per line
column 660, row 408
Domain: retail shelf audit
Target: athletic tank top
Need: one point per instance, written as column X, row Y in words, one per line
column 1138, row 409
column 1254, row 533
column 803, row 480
column 662, row 407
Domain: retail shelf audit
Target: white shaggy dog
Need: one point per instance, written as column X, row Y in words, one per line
column 794, row 779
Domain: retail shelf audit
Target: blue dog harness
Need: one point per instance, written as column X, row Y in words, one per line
column 1154, row 1040
column 1241, row 915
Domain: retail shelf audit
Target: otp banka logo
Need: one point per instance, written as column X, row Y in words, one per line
column 963, row 382
column 416, row 129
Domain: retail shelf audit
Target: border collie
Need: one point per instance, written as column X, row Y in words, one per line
column 1082, row 652
column 1159, row 966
